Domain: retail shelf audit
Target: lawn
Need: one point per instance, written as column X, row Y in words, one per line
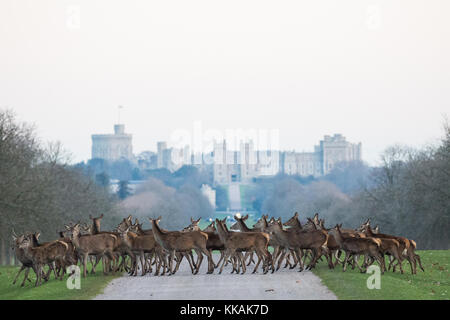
column 53, row 289
column 433, row 284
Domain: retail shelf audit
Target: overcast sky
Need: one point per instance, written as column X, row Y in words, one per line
column 376, row 71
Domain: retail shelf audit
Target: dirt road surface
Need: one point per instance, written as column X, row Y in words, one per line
column 284, row 284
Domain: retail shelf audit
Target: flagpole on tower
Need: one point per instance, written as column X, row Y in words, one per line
column 118, row 113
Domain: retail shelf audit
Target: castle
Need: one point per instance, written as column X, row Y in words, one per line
column 247, row 163
column 231, row 166
column 113, row 146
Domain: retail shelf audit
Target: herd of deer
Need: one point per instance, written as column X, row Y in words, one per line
column 130, row 248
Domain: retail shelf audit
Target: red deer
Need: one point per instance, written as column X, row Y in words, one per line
column 359, row 246
column 102, row 244
column 43, row 255
column 177, row 241
column 245, row 241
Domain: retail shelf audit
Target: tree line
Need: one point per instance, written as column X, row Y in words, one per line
column 39, row 190
column 408, row 194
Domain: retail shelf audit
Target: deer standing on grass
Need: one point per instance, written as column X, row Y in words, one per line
column 20, row 255
column 45, row 254
column 359, row 246
column 406, row 248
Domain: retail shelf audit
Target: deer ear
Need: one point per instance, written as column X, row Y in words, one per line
column 101, row 217
column 37, row 235
column 245, row 218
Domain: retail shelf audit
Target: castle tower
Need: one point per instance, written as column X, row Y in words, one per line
column 113, row 146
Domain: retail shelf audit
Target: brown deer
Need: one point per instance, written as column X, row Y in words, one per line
column 245, row 241
column 277, row 246
column 43, row 255
column 240, row 225
column 102, row 244
column 214, row 242
column 20, row 255
column 119, row 251
column 148, row 249
column 359, row 246
column 406, row 247
column 315, row 240
column 174, row 241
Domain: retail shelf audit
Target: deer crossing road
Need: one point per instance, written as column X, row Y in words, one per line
column 284, row 284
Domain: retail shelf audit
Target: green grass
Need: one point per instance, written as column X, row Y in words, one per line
column 433, row 284
column 53, row 289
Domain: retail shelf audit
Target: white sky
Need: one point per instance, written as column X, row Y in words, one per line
column 376, row 71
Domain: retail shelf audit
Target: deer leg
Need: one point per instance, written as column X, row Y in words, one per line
column 179, row 257
column 25, row 278
column 38, row 275
column 298, row 255
column 143, row 261
column 242, row 262
column 347, row 256
column 171, row 258
column 281, row 258
column 199, row 260
column 257, row 263
column 210, row 260
column 293, row 254
column 18, row 273
column 417, row 257
column 192, row 264
column 413, row 259
column 225, row 259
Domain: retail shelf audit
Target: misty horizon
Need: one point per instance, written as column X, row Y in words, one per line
column 374, row 72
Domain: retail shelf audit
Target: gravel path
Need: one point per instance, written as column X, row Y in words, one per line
column 284, row 284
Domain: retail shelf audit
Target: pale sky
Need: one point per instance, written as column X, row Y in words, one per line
column 376, row 71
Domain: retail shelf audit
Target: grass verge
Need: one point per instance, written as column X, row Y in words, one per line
column 433, row 284
column 54, row 289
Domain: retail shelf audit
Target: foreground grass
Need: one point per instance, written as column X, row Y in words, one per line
column 54, row 289
column 433, row 284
